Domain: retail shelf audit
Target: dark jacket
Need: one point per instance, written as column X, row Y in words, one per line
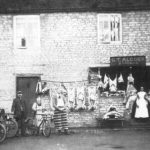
column 18, row 107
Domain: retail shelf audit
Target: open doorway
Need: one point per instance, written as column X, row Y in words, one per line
column 28, row 87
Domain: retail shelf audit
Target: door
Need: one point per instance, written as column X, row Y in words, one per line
column 28, row 86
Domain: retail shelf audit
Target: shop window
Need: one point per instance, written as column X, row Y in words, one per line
column 27, row 32
column 109, row 28
column 140, row 74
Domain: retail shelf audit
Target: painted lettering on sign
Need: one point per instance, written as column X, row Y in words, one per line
column 128, row 61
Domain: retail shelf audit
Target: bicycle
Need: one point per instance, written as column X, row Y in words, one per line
column 11, row 125
column 2, row 132
column 2, row 126
column 45, row 125
column 8, row 125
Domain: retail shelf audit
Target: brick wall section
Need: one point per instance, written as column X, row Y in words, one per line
column 68, row 47
column 88, row 118
column 6, row 70
column 105, row 102
column 69, row 41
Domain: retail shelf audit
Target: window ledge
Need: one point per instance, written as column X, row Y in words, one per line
column 22, row 48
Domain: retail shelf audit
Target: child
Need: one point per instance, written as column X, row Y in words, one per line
column 38, row 110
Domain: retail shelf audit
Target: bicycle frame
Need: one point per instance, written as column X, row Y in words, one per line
column 43, row 119
column 38, row 128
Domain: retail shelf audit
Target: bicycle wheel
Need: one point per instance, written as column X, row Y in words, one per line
column 31, row 128
column 2, row 133
column 46, row 128
column 12, row 127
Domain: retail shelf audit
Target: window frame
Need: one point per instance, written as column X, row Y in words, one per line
column 26, row 48
column 109, row 20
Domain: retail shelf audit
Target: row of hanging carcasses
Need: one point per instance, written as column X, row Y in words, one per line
column 79, row 95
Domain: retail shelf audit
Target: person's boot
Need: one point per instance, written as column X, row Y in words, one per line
column 59, row 132
column 66, row 132
column 18, row 133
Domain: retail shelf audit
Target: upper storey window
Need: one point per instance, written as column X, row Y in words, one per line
column 27, row 32
column 109, row 28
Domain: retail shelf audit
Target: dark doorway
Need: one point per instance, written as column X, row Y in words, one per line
column 28, row 86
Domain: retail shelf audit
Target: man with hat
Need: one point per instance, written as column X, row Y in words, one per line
column 18, row 108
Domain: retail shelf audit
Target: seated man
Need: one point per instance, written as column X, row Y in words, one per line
column 112, row 113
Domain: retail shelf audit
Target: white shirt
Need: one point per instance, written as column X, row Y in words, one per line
column 60, row 101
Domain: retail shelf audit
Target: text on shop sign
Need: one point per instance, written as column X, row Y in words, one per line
column 128, row 61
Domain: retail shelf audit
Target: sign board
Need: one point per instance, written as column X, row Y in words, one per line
column 128, row 61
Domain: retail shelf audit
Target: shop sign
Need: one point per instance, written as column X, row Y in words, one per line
column 128, row 61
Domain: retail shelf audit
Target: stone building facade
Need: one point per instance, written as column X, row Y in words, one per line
column 68, row 47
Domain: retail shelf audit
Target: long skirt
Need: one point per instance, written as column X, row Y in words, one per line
column 60, row 119
column 142, row 109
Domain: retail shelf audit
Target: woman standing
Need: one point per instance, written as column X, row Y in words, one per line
column 141, row 110
column 147, row 97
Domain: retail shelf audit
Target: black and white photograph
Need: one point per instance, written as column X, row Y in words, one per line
column 74, row 74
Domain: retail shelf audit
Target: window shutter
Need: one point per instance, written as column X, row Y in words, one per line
column 106, row 32
column 104, row 28
column 32, row 29
column 115, row 27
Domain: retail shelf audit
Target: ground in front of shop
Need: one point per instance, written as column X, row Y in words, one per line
column 102, row 140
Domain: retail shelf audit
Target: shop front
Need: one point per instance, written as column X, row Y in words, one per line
column 116, row 74
column 115, row 79
column 85, row 100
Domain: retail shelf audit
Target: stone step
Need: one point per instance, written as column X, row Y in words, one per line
column 124, row 124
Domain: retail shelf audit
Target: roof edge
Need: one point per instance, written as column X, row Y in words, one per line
column 67, row 10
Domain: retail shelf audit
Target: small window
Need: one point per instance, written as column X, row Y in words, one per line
column 27, row 32
column 109, row 28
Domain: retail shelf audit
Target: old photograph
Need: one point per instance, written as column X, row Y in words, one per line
column 74, row 74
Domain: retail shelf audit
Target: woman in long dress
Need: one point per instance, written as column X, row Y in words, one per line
column 147, row 97
column 141, row 110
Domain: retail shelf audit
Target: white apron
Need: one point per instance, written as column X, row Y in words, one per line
column 142, row 110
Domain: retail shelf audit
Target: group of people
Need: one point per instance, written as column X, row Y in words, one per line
column 137, row 103
column 60, row 112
